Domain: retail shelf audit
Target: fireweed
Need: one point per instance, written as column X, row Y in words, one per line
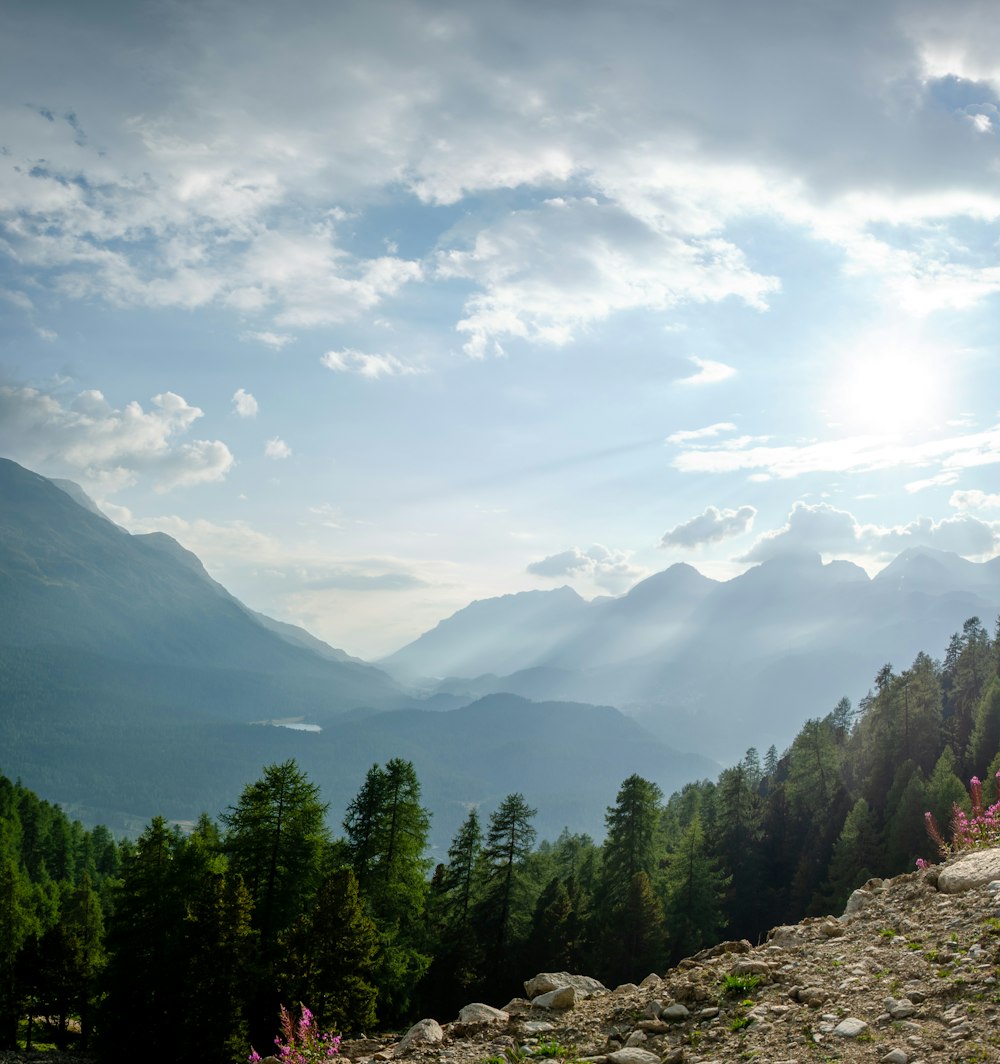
column 302, row 1042
column 976, row 832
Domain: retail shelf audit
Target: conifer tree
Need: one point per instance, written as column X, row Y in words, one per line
column 331, row 955
column 504, row 910
column 695, row 891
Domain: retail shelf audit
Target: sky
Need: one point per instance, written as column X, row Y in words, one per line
column 381, row 307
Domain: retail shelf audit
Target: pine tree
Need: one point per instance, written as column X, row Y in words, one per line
column 857, row 856
column 331, row 957
column 695, row 891
column 504, row 910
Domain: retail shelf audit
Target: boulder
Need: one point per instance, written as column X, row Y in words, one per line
column 547, row 981
column 978, row 868
column 633, row 1055
column 426, row 1032
column 563, row 998
column 477, row 1012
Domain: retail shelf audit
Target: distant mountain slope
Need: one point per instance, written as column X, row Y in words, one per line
column 717, row 666
column 71, row 579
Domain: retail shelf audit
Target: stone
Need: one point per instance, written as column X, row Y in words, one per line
column 636, row 1038
column 651, row 980
column 547, row 981
column 425, row 1032
column 633, row 1056
column 895, row 1056
column 625, row 988
column 813, row 996
column 477, row 1012
column 675, row 1013
column 850, row 1028
column 856, row 902
column 537, row 1027
column 563, row 998
column 785, row 936
column 975, row 869
column 901, row 1009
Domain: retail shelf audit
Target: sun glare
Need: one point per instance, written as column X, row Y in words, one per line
column 889, row 385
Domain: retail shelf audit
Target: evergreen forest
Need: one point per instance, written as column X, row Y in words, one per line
column 192, row 939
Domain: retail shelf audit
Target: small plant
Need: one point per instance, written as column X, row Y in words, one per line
column 888, row 932
column 552, row 1050
column 740, row 984
column 302, row 1042
column 740, row 1023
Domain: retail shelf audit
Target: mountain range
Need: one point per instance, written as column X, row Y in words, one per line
column 133, row 684
column 709, row 665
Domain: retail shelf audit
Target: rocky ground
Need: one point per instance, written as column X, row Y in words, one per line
column 908, row 974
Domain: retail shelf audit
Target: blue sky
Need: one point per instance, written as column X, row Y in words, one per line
column 382, row 307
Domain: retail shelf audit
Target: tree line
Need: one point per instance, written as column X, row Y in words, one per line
column 192, row 939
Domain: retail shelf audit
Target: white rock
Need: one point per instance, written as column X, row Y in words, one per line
column 895, row 1056
column 477, row 1012
column 546, row 981
column 675, row 1013
column 426, row 1032
column 850, row 1028
column 563, row 998
column 651, row 980
column 633, row 1056
column 975, row 869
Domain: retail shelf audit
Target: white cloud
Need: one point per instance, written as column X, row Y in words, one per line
column 108, row 448
column 709, row 372
column 244, row 403
column 687, row 435
column 609, row 569
column 271, row 339
column 277, row 448
column 712, row 526
column 547, row 273
column 975, row 499
column 825, row 529
column 366, row 365
column 850, row 454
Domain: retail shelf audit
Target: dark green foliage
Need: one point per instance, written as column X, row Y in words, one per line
column 330, row 955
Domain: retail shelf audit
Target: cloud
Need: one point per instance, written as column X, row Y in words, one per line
column 849, row 454
column 709, row 372
column 271, row 339
column 712, row 526
column 244, row 403
column 277, row 449
column 824, row 529
column 365, row 365
column 107, row 448
column 687, row 435
column 974, row 499
column 609, row 569
column 548, row 272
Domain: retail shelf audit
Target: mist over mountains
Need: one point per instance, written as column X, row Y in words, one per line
column 708, row 665
column 133, row 684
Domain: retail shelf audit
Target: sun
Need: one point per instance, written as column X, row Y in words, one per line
column 890, row 384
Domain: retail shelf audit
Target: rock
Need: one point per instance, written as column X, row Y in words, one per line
column 856, row 902
column 651, row 980
column 633, row 1056
column 813, row 996
column 546, row 981
column 785, row 936
column 625, row 988
column 537, row 1027
column 477, row 1012
column 901, row 1009
column 975, row 869
column 895, row 1056
column 850, row 1028
column 563, row 998
column 636, row 1038
column 426, row 1032
column 676, row 1013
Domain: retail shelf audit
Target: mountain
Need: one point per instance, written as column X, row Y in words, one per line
column 717, row 666
column 132, row 683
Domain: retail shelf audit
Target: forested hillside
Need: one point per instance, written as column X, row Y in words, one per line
column 192, row 940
